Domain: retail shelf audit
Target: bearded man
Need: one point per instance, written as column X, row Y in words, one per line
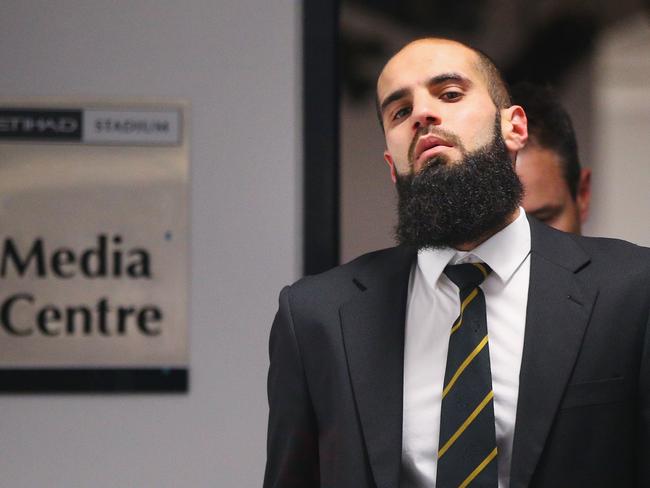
column 486, row 349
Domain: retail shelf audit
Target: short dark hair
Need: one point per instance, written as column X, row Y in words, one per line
column 496, row 84
column 550, row 127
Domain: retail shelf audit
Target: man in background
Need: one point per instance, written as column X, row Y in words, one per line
column 556, row 189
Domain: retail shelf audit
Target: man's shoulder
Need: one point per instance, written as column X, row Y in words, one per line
column 616, row 257
column 339, row 284
column 601, row 253
column 612, row 247
column 609, row 257
column 375, row 264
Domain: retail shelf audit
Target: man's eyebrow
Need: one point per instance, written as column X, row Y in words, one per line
column 443, row 78
column 396, row 95
column 436, row 80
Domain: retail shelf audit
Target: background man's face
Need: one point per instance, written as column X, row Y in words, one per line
column 546, row 192
column 434, row 88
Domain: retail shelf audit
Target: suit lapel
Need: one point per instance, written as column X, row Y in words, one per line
column 373, row 334
column 559, row 307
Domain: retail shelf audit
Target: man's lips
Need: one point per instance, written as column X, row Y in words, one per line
column 429, row 145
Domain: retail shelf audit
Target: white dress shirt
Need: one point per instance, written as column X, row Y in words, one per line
column 433, row 305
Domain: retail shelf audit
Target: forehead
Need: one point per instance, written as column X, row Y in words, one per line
column 421, row 60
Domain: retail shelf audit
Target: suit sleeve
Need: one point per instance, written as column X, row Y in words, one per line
column 292, row 442
column 644, row 411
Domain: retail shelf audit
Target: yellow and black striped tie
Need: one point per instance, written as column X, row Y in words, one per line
column 467, row 450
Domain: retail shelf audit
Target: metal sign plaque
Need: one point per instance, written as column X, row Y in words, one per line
column 94, row 241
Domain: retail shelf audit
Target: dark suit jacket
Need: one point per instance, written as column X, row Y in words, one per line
column 583, row 416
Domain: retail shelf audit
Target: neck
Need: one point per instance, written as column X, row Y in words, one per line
column 468, row 246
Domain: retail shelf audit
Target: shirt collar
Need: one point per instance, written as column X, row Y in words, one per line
column 503, row 252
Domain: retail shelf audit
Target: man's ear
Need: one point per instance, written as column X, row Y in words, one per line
column 583, row 195
column 514, row 128
column 391, row 164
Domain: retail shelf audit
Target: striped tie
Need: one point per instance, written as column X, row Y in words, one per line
column 467, row 450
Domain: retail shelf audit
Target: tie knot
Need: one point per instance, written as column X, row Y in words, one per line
column 468, row 275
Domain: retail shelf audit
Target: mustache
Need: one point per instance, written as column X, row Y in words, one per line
column 450, row 137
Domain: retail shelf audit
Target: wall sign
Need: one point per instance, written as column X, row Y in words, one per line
column 93, row 263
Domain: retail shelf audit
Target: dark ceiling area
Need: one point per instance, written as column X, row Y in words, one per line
column 538, row 42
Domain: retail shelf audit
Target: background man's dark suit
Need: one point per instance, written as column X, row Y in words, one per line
column 583, row 416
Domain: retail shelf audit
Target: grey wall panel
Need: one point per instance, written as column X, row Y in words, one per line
column 237, row 63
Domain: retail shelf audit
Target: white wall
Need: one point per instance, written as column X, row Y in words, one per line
column 621, row 174
column 237, row 62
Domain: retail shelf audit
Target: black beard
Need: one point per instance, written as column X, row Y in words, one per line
column 448, row 204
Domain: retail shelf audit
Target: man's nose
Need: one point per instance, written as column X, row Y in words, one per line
column 425, row 114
